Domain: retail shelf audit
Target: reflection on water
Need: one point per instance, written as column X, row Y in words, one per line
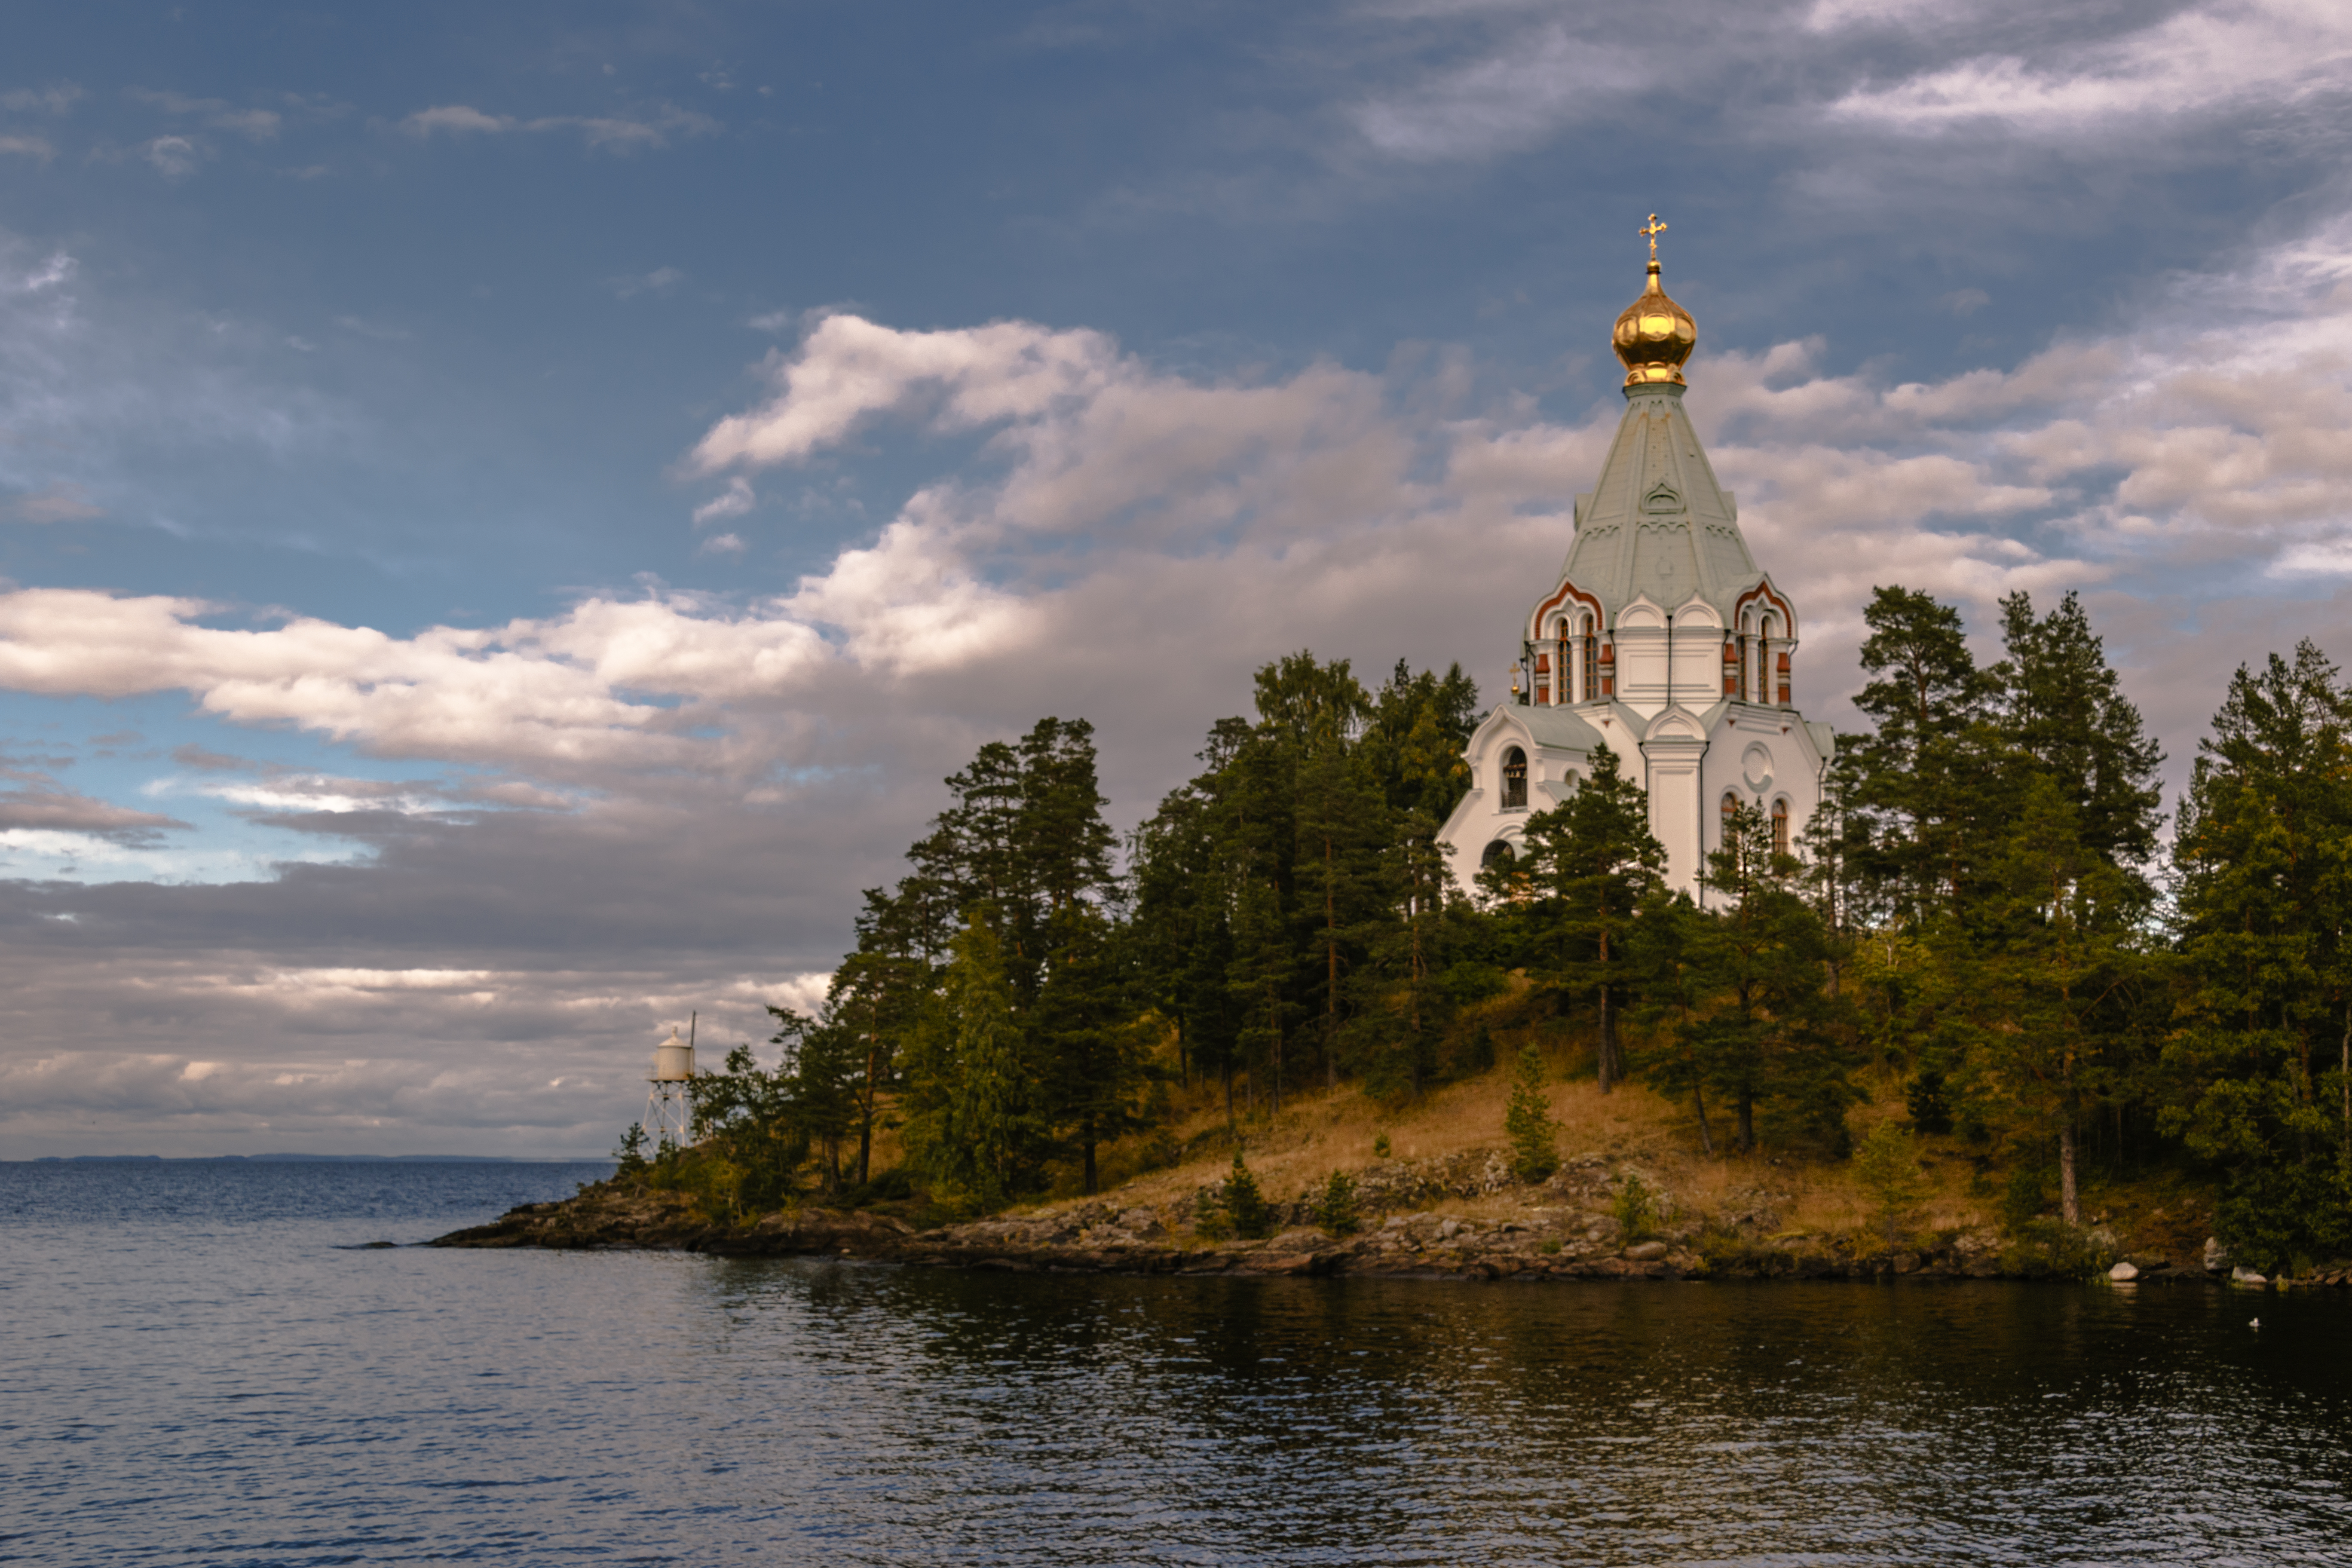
column 223, row 1384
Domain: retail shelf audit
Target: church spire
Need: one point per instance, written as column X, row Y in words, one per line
column 1654, row 335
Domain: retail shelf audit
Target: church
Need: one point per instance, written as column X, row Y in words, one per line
column 1661, row 640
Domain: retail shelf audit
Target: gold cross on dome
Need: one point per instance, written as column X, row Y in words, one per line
column 1654, row 229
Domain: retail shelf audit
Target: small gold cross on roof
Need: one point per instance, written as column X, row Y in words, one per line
column 1654, row 229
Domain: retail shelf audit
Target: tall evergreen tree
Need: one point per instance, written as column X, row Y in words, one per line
column 1584, row 869
column 2264, row 861
column 1925, row 778
column 1093, row 1044
column 974, row 1124
column 2061, row 706
column 2048, row 971
column 1763, row 1026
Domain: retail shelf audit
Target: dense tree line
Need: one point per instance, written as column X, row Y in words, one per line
column 1984, row 909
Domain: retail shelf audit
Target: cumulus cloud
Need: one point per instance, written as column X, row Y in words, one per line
column 690, row 787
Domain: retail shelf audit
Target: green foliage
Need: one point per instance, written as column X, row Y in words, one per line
column 1584, row 870
column 1380, row 1145
column 1335, row 1208
column 1737, row 995
column 973, row 1125
column 2024, row 1196
column 1527, row 1123
column 1888, row 1165
column 1240, row 1205
column 630, row 1157
column 1924, row 1100
column 2259, row 1072
column 1635, row 1207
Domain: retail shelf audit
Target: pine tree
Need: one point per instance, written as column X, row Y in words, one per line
column 2061, row 706
column 1925, row 776
column 1762, row 1025
column 973, row 1124
column 1093, row 1044
column 1527, row 1123
column 1586, row 865
column 2048, row 968
column 2264, row 861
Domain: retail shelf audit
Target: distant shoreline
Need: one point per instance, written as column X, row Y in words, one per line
column 312, row 1160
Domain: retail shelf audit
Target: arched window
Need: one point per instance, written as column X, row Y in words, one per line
column 1730, row 816
column 1589, row 662
column 1781, row 827
column 1515, row 780
column 1498, row 854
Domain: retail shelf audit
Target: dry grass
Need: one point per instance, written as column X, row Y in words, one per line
column 1320, row 1132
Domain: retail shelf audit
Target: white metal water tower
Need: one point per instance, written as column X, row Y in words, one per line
column 669, row 1097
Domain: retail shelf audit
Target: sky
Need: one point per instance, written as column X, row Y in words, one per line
column 508, row 513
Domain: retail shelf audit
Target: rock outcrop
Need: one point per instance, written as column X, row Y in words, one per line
column 1563, row 1229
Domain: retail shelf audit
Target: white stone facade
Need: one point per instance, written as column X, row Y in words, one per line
column 1662, row 641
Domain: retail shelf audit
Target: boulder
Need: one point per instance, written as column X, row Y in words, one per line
column 2122, row 1273
column 2242, row 1275
column 2216, row 1256
column 1648, row 1252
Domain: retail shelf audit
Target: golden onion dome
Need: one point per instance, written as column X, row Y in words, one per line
column 1655, row 335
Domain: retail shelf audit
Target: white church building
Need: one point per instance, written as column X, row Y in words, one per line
column 1662, row 640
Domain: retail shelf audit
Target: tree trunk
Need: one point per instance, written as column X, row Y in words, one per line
column 1705, row 1138
column 1332, row 977
column 1605, row 1056
column 2070, row 1205
column 2070, row 1202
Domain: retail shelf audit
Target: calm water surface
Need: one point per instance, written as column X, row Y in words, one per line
column 194, row 1368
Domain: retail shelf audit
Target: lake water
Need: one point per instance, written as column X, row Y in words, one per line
column 194, row 1369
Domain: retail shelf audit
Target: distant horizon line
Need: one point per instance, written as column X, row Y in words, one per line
column 310, row 1158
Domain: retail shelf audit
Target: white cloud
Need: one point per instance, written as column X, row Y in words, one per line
column 456, row 120
column 55, row 99
column 2272, row 52
column 736, row 500
column 28, row 147
column 173, row 157
column 255, row 124
column 1547, row 77
column 660, row 280
column 656, row 127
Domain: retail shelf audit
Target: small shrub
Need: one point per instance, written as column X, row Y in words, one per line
column 1335, row 1209
column 1527, row 1123
column 1380, row 1145
column 2027, row 1195
column 1923, row 1097
column 1888, row 1168
column 1245, row 1207
column 1636, row 1208
column 631, row 1155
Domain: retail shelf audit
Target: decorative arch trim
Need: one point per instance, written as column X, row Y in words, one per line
column 1764, row 592
column 1559, row 599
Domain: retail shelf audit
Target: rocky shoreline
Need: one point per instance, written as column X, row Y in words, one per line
column 1562, row 1229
